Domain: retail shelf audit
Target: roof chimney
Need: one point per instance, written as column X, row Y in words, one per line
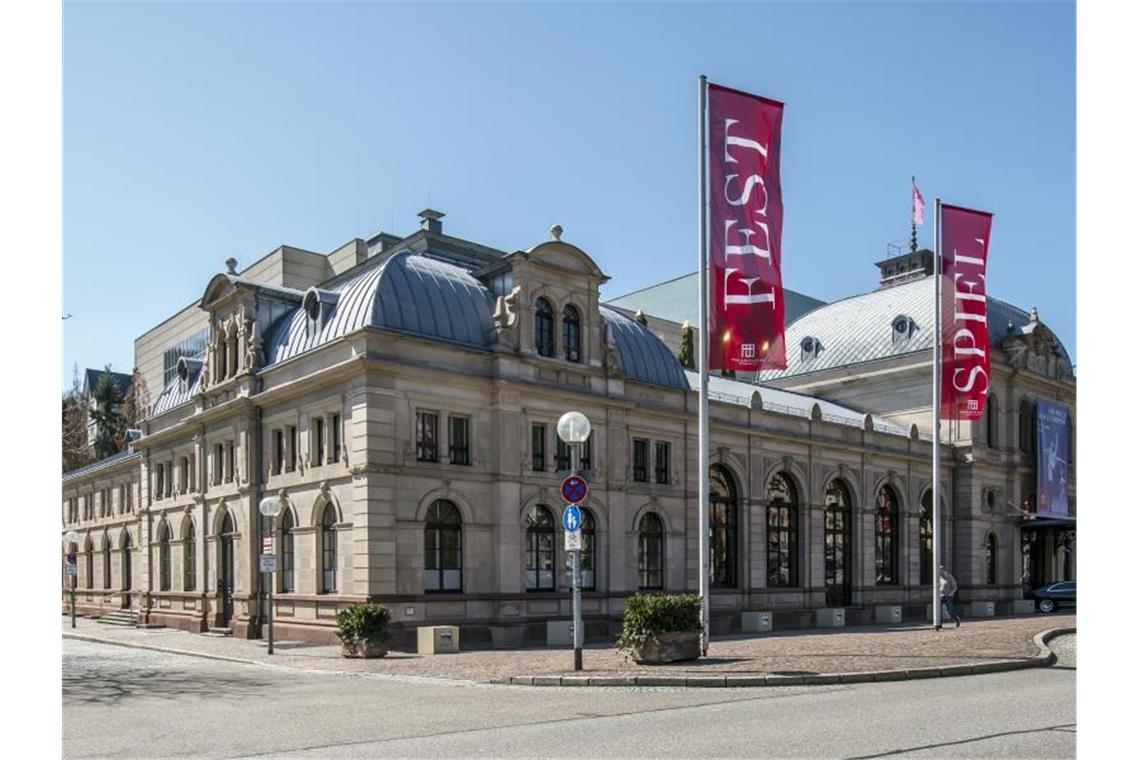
column 430, row 220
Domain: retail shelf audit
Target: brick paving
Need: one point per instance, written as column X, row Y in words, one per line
column 847, row 650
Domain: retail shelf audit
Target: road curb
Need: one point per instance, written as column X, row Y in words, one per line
column 1043, row 658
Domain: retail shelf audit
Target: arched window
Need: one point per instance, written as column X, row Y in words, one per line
column 89, row 562
column 286, row 548
column 991, row 559
column 163, row 557
column 571, row 334
column 589, row 553
column 539, row 549
column 886, row 537
column 650, row 552
column 125, row 563
column 926, row 541
column 543, row 327
column 783, row 532
column 106, row 561
column 328, row 550
column 1027, row 427
column 993, row 416
column 836, row 540
column 189, row 557
column 723, row 515
column 443, row 548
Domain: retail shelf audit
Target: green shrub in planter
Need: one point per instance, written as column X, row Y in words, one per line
column 648, row 617
column 363, row 623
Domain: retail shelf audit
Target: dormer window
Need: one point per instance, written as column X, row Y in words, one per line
column 183, row 374
column 543, row 327
column 312, row 306
column 810, row 348
column 902, row 328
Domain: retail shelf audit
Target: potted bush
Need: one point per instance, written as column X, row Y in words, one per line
column 661, row 628
column 363, row 629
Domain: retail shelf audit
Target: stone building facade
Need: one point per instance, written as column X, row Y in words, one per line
column 401, row 394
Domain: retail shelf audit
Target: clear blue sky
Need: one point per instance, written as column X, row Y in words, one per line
column 195, row 132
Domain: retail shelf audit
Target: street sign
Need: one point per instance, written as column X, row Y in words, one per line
column 268, row 563
column 72, row 570
column 71, row 558
column 267, row 544
column 574, row 489
column 571, row 518
column 573, row 540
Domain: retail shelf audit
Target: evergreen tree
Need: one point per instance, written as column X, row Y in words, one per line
column 686, row 355
column 107, row 414
column 75, row 450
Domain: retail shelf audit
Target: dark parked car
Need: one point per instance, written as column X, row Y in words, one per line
column 1054, row 596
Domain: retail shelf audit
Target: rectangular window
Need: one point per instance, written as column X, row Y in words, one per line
column 661, row 461
column 427, row 436
column 459, row 443
column 292, row 448
column 278, row 451
column 561, row 455
column 169, row 478
column 219, row 463
column 640, row 460
column 587, row 454
column 538, row 447
column 231, row 463
column 317, row 456
column 183, row 475
column 335, row 425
column 159, row 485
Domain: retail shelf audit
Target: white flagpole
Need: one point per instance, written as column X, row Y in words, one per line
column 936, row 602
column 703, row 334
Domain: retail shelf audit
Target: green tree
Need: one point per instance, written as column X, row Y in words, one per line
column 686, row 355
column 107, row 415
column 135, row 407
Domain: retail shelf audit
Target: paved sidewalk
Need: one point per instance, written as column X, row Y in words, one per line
column 862, row 649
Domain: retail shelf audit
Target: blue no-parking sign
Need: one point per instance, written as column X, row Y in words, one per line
column 572, row 518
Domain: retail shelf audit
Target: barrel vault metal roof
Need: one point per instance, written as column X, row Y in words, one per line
column 644, row 356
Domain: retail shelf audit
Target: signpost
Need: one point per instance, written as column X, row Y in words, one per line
column 269, row 563
column 574, row 429
column 270, row 507
column 72, row 538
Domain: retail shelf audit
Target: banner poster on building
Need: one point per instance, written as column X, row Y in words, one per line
column 746, row 214
column 965, row 333
column 1052, row 459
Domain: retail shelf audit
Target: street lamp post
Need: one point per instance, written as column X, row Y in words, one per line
column 574, row 430
column 270, row 507
column 72, row 539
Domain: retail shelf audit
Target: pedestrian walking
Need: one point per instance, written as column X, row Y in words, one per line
column 947, row 587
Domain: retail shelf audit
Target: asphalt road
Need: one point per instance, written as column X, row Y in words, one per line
column 121, row 702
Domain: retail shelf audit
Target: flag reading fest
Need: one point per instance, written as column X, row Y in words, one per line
column 962, row 352
column 744, row 331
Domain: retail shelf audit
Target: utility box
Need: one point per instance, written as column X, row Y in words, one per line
column 755, row 622
column 888, row 613
column 437, row 639
column 831, row 617
column 559, row 633
column 981, row 609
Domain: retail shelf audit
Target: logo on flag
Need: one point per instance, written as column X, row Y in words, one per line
column 746, row 216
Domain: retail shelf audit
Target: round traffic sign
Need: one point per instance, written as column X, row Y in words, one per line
column 574, row 489
column 71, row 559
column 572, row 518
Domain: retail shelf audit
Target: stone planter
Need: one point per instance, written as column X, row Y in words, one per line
column 365, row 649
column 669, row 647
column 508, row 636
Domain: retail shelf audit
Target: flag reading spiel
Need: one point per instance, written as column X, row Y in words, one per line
column 746, row 321
column 965, row 332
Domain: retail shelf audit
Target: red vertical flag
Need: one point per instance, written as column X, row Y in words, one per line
column 746, row 214
column 965, row 332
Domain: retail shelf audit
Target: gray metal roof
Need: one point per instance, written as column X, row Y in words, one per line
column 176, row 393
column 405, row 292
column 644, row 356
column 119, row 380
column 860, row 328
column 102, row 464
column 676, row 300
column 779, row 401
